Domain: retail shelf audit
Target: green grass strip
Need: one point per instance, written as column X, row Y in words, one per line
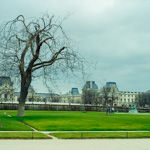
column 73, row 121
column 23, row 135
column 89, row 121
column 96, row 135
column 11, row 123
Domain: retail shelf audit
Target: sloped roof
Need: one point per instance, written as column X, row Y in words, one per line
column 74, row 91
column 90, row 84
column 5, row 78
column 110, row 84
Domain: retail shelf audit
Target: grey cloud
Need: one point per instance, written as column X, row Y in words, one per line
column 113, row 33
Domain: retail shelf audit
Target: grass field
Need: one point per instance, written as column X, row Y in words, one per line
column 73, row 121
column 95, row 135
column 8, row 123
column 23, row 135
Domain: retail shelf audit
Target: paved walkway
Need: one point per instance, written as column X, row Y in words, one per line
column 103, row 144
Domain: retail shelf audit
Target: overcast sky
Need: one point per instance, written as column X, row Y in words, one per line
column 113, row 33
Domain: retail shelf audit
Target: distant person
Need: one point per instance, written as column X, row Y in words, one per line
column 113, row 110
column 107, row 111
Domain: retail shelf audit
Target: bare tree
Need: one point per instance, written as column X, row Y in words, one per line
column 33, row 48
column 143, row 99
column 109, row 95
column 86, row 96
column 105, row 94
column 90, row 96
column 114, row 96
column 54, row 98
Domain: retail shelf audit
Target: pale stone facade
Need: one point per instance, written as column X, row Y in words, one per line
column 68, row 98
column 127, row 98
column 72, row 96
column 6, row 89
column 31, row 97
column 31, row 94
column 111, row 93
column 121, row 98
column 118, row 98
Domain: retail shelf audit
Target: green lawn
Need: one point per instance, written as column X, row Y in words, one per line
column 74, row 121
column 95, row 135
column 23, row 135
column 8, row 123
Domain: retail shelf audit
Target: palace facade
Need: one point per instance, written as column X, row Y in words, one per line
column 109, row 91
column 6, row 89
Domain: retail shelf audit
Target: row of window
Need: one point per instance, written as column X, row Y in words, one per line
column 127, row 95
column 6, row 96
column 127, row 100
column 132, row 92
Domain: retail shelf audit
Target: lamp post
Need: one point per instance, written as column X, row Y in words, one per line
column 32, row 98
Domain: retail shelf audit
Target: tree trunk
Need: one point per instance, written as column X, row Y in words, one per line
column 22, row 99
column 21, row 109
column 25, row 83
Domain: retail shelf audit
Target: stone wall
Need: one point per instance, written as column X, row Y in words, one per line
column 50, row 107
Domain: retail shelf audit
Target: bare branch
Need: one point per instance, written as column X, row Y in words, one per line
column 52, row 60
column 36, row 44
column 45, row 64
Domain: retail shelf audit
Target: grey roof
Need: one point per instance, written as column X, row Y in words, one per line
column 91, row 84
column 17, row 93
column 110, row 84
column 74, row 91
column 46, row 94
column 5, row 78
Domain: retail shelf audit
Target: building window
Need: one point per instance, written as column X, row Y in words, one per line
column 5, row 96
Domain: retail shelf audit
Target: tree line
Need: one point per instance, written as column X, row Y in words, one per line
column 143, row 99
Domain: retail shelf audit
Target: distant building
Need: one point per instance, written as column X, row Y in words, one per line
column 110, row 94
column 6, row 89
column 90, row 85
column 71, row 97
column 47, row 97
column 74, row 91
column 30, row 96
column 110, row 90
column 127, row 98
column 43, row 97
column 121, row 98
column 111, row 85
column 90, row 93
